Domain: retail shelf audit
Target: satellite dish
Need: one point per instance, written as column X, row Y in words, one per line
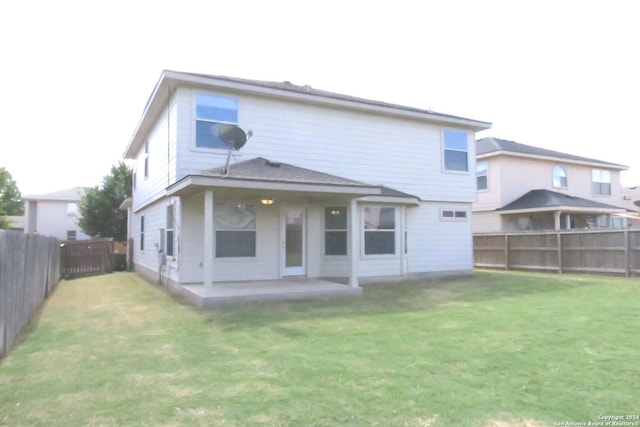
column 235, row 138
column 232, row 135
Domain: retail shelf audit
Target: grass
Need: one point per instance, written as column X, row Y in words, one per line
column 493, row 350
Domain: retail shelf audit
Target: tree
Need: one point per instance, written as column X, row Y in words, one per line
column 10, row 198
column 100, row 215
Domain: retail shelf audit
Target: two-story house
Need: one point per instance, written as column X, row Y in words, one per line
column 327, row 186
column 522, row 187
column 631, row 202
column 55, row 214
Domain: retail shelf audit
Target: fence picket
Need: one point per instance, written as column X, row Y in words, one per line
column 29, row 272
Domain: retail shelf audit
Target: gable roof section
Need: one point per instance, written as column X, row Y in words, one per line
column 487, row 147
column 539, row 200
column 73, row 194
column 261, row 169
column 263, row 174
column 305, row 93
column 260, row 173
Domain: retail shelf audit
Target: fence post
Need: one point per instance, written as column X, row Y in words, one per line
column 559, row 243
column 627, row 253
column 506, row 252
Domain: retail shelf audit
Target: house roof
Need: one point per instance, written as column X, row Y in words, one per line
column 261, row 169
column 73, row 194
column 261, row 173
column 547, row 199
column 306, row 89
column 301, row 93
column 487, row 147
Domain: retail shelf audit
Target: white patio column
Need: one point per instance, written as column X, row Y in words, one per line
column 556, row 218
column 207, row 257
column 353, row 243
column 567, row 221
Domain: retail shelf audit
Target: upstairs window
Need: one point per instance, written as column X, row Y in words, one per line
column 379, row 230
column 211, row 112
column 559, row 177
column 335, row 230
column 71, row 234
column 72, row 210
column 146, row 159
column 455, row 150
column 601, row 182
column 235, row 230
column 481, row 175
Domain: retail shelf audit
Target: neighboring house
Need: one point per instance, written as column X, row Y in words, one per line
column 631, row 201
column 16, row 223
column 54, row 214
column 329, row 186
column 522, row 187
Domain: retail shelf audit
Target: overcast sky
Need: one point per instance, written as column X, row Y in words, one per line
column 76, row 75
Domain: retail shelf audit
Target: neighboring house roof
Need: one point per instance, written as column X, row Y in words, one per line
column 547, row 200
column 261, row 173
column 487, row 147
column 305, row 93
column 73, row 194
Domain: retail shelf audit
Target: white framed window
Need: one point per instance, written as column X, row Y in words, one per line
column 235, row 230
column 456, row 150
column 71, row 234
column 142, row 233
column 453, row 215
column 559, row 177
column 335, row 230
column 211, row 112
column 379, row 230
column 601, row 182
column 169, row 231
column 72, row 210
column 146, row 159
column 482, row 175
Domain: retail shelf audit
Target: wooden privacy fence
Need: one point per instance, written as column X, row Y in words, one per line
column 29, row 272
column 601, row 252
column 82, row 258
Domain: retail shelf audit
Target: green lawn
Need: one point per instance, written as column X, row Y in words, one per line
column 495, row 349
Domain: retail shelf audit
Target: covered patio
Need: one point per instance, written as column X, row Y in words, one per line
column 285, row 289
column 550, row 210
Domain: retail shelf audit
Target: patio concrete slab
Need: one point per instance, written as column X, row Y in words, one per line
column 286, row 289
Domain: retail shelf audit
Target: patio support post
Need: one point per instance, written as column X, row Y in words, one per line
column 207, row 260
column 556, row 219
column 353, row 243
column 567, row 221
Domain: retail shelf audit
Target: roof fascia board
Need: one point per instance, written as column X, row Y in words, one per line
column 603, row 165
column 387, row 199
